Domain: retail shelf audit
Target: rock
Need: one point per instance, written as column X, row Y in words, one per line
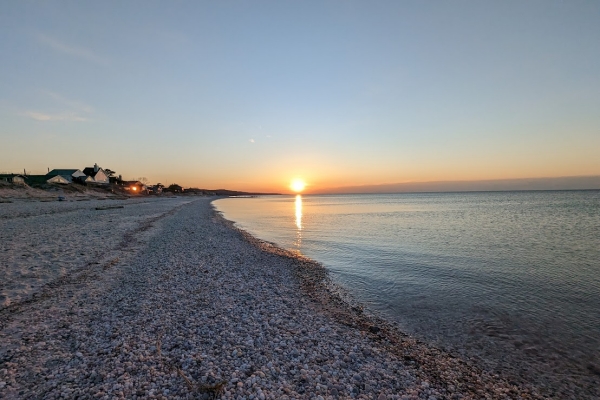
column 374, row 329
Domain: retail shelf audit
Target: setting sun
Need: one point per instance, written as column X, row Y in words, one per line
column 297, row 185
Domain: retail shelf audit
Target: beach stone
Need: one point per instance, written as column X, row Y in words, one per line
column 374, row 329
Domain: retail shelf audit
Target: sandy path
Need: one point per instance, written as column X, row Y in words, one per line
column 196, row 309
column 41, row 242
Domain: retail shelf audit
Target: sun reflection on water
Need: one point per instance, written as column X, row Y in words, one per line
column 298, row 220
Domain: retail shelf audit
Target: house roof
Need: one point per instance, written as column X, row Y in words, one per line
column 62, row 172
column 89, row 171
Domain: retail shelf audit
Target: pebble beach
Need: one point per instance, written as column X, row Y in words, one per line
column 165, row 299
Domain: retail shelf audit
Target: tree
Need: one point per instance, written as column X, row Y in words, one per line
column 109, row 172
column 175, row 188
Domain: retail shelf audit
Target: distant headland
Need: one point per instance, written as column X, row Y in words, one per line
column 552, row 183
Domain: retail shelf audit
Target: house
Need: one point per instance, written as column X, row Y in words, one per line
column 98, row 175
column 13, row 178
column 117, row 180
column 135, row 187
column 36, row 180
column 175, row 188
column 156, row 189
column 65, row 176
column 58, row 179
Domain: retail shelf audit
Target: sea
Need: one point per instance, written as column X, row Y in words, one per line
column 510, row 281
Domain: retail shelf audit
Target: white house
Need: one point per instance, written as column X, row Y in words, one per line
column 64, row 176
column 13, row 178
column 59, row 179
column 97, row 174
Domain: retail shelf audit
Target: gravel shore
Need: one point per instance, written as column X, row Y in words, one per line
column 186, row 306
column 43, row 241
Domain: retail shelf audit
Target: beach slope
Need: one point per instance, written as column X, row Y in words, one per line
column 187, row 306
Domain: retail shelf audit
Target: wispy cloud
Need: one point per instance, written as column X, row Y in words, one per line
column 63, row 109
column 79, row 52
column 251, row 140
column 38, row 116
column 74, row 104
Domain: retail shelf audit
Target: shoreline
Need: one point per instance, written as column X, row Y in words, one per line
column 196, row 308
column 463, row 293
column 431, row 363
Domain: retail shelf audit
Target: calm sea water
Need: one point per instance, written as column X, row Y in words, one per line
column 508, row 279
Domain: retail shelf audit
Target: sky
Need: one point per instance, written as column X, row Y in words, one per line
column 248, row 95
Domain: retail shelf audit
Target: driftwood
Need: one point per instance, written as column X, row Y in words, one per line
column 108, row 207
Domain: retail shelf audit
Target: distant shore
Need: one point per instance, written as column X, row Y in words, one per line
column 175, row 302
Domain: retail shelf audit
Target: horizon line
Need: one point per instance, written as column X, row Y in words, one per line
column 578, row 182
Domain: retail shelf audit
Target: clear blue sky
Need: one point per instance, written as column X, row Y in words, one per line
column 248, row 95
